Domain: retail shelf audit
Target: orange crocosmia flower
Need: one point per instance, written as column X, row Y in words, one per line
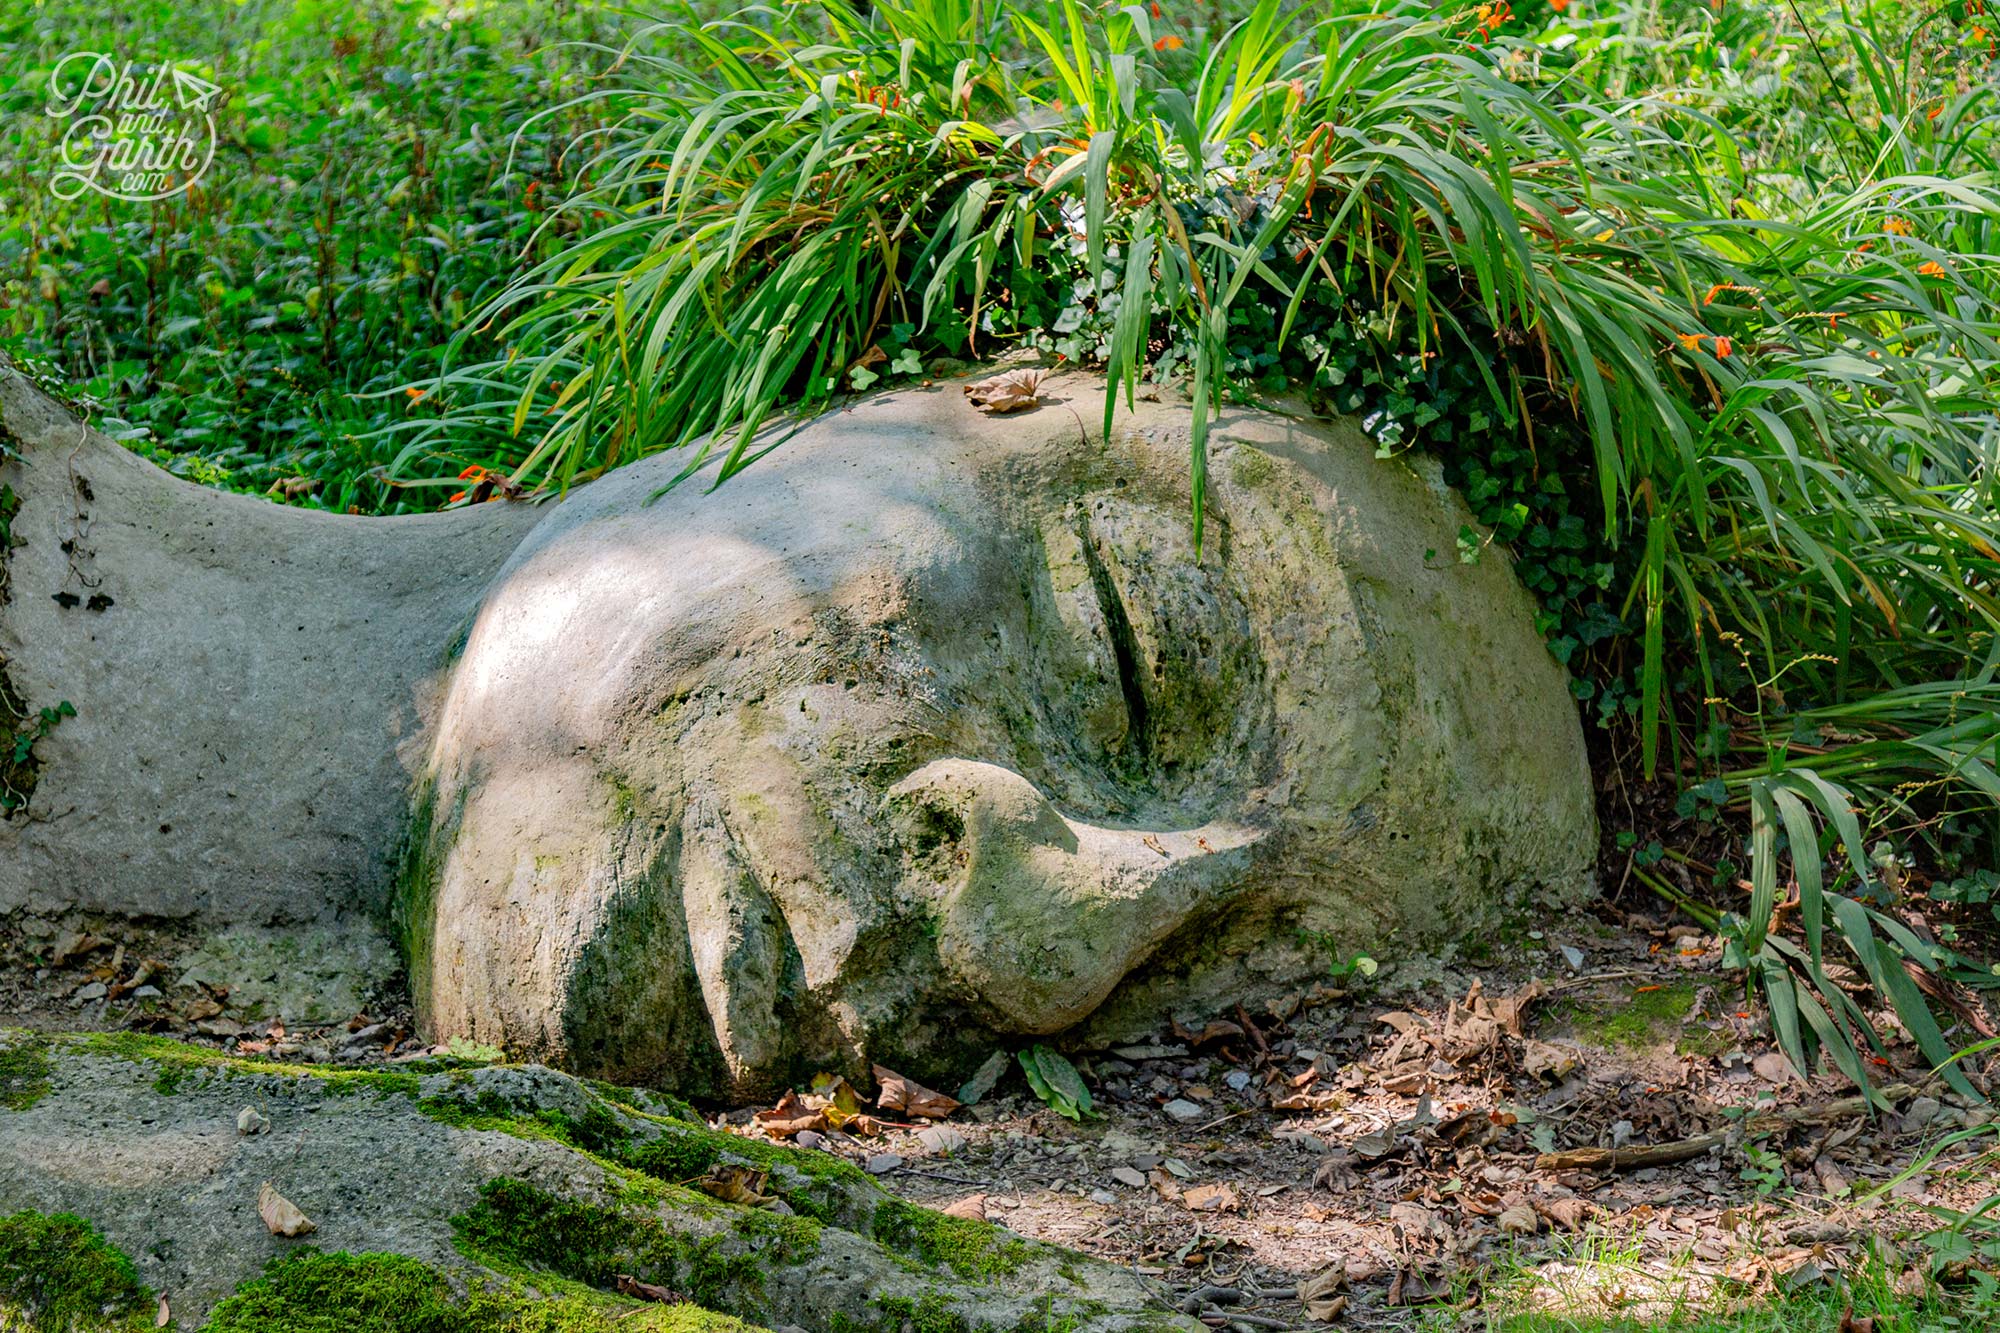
column 1156, row 11
column 473, row 473
column 456, row 498
column 1934, row 112
column 1897, row 226
column 1170, row 42
column 1689, row 341
column 1931, row 269
column 414, row 394
column 1722, row 349
column 1559, row 5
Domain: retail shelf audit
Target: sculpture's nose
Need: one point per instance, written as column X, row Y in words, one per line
column 1040, row 916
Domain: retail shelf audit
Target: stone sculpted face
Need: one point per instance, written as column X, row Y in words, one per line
column 930, row 730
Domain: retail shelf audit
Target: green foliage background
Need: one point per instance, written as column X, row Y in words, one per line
column 368, row 192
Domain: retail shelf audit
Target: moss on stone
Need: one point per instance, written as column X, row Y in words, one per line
column 968, row 1247
column 658, row 1105
column 818, row 1186
column 24, row 1071
column 931, row 1313
column 58, row 1275
column 518, row 1228
column 308, row 1292
column 786, row 1239
column 1251, row 467
column 177, row 1063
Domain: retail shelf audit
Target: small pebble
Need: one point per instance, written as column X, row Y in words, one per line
column 1103, row 1196
column 882, row 1163
column 250, row 1121
column 1125, row 1175
column 1182, row 1111
column 96, row 990
column 1237, row 1079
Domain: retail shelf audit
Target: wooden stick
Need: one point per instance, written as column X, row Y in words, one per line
column 1681, row 1150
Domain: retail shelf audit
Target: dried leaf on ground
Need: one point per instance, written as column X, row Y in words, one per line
column 1416, row 1220
column 280, row 1214
column 164, row 1315
column 736, row 1184
column 1773, row 1067
column 834, row 1098
column 790, row 1117
column 972, row 1207
column 1320, row 1293
column 907, row 1095
column 1519, row 1219
column 1415, row 1288
column 1212, row 1199
column 74, row 945
column 1543, row 1060
column 1569, row 1214
column 1012, row 391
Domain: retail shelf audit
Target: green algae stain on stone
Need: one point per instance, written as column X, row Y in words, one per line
column 24, row 1071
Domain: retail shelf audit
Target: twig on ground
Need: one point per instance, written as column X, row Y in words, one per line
column 1681, row 1150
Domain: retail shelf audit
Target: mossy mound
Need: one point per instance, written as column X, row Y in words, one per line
column 451, row 1198
column 58, row 1275
column 389, row 1293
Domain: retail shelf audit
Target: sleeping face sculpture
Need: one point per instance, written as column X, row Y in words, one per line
column 931, row 731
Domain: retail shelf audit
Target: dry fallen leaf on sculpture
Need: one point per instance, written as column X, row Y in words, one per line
column 280, row 1214
column 1013, row 391
column 736, row 1184
column 647, row 1291
column 912, row 1098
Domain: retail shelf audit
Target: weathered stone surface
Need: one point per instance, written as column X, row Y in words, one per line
column 243, row 674
column 478, row 1172
column 926, row 728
